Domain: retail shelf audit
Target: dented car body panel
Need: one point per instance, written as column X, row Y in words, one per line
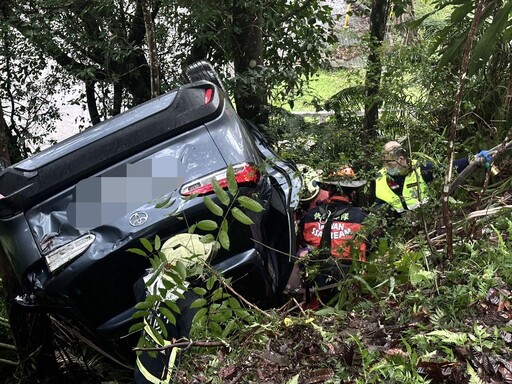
column 71, row 212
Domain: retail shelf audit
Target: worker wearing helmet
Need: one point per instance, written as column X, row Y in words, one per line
column 328, row 231
column 401, row 184
column 311, row 195
column 336, row 214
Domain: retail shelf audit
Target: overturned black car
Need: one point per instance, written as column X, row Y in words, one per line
column 71, row 212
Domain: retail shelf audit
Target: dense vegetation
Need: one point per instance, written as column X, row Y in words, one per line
column 432, row 303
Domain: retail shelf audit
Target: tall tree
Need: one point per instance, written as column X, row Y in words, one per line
column 248, row 59
column 102, row 43
column 378, row 22
column 267, row 45
column 94, row 41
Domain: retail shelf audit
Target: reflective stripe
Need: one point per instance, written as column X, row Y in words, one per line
column 170, row 365
column 147, row 375
column 414, row 185
column 414, row 206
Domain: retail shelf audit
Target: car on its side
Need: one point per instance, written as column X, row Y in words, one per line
column 71, row 212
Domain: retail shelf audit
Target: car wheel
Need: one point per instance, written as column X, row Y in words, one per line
column 147, row 368
column 202, row 70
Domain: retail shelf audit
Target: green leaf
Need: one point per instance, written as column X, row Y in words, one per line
column 453, row 50
column 207, row 239
column 155, row 275
column 221, row 194
column 139, row 314
column 158, row 243
column 449, row 337
column 173, row 306
column 163, row 328
column 327, row 311
column 147, row 244
column 473, row 376
column 207, row 225
column 138, row 251
column 250, row 204
column 224, row 239
column 461, row 12
column 414, row 24
column 199, row 315
column 152, row 331
column 165, row 202
column 243, row 314
column 240, row 216
column 181, row 269
column 294, row 379
column 230, row 326
column 210, row 282
column 199, row 291
column 136, row 327
column 172, row 279
column 198, row 303
column 232, row 185
column 212, row 207
column 145, row 305
column 365, row 283
column 487, row 43
column 168, row 314
column 192, row 228
column 215, row 328
column 234, row 303
column 155, row 262
column 217, row 294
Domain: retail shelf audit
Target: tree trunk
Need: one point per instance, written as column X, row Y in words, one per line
column 91, row 102
column 251, row 102
column 5, row 156
column 378, row 21
column 152, row 48
column 118, row 99
column 452, row 131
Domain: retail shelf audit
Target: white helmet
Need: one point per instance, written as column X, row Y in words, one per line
column 310, row 178
column 186, row 247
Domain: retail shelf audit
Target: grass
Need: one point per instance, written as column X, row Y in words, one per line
column 324, row 85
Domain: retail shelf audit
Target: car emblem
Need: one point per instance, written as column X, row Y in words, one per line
column 138, row 218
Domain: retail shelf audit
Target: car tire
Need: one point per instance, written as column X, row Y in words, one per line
column 202, row 70
column 156, row 365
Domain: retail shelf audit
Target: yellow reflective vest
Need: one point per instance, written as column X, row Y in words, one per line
column 413, row 195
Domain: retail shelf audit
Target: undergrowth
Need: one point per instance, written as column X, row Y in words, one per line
column 405, row 318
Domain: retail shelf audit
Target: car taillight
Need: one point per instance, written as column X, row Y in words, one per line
column 208, row 94
column 68, row 252
column 245, row 174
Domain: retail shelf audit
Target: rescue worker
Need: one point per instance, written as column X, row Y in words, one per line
column 402, row 183
column 311, row 195
column 327, row 233
column 160, row 367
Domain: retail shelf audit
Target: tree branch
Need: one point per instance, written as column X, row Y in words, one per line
column 185, row 344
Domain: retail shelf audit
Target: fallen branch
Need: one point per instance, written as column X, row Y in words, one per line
column 488, row 211
column 185, row 345
column 233, row 292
